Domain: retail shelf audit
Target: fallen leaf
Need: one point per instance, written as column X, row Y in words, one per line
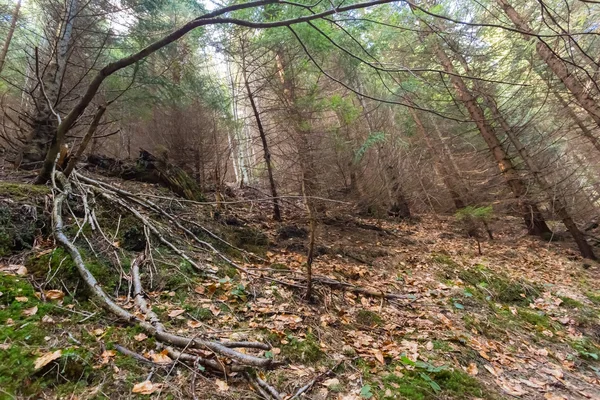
column 222, row 385
column 140, row 336
column 98, row 332
column 429, row 345
column 161, row 358
column 379, row 356
column 30, row 311
column 22, row 299
column 47, row 319
column 472, row 369
column 47, row 358
column 512, row 388
column 194, row 324
column 22, row 270
column 492, row 370
column 54, row 294
column 146, row 387
column 176, row 313
column 558, row 374
column 552, row 396
column 106, row 355
column 331, row 382
column 199, row 289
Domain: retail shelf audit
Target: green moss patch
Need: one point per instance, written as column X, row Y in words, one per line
column 495, row 286
column 424, row 381
column 368, row 318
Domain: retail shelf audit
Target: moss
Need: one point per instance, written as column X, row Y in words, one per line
column 25, row 338
column 536, row 318
column 441, row 345
column 569, row 302
column 248, row 238
column 368, row 318
column 496, row 286
column 426, row 382
column 444, row 259
column 59, row 265
column 22, row 191
column 594, row 297
column 305, row 350
column 586, row 349
column 199, row 313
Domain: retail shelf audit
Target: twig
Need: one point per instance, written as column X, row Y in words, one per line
column 310, row 384
column 108, row 303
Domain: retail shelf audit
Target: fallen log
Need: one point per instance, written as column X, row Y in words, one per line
column 150, row 169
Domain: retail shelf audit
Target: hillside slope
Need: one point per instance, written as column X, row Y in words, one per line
column 401, row 309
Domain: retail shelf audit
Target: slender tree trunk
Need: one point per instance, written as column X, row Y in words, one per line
column 534, row 220
column 399, row 206
column 85, row 141
column 587, row 133
column 9, row 36
column 440, row 165
column 44, row 122
column 559, row 206
column 263, row 139
column 555, row 63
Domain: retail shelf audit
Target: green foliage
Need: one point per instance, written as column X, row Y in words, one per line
column 476, row 213
column 495, row 286
column 586, row 349
column 373, row 139
column 424, row 381
column 344, row 107
column 305, row 350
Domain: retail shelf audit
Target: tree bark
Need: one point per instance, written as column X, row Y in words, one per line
column 44, row 120
column 559, row 206
column 587, row 133
column 555, row 63
column 85, row 141
column 9, row 35
column 536, row 225
column 399, row 206
column 265, row 144
column 439, row 163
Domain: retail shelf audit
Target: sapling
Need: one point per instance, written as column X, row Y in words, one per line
column 473, row 219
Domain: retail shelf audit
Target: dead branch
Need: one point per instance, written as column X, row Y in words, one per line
column 109, row 304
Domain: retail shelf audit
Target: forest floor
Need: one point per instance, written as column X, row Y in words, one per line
column 519, row 321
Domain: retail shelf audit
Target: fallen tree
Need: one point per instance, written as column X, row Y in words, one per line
column 150, row 169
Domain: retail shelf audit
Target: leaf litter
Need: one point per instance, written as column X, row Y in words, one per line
column 524, row 349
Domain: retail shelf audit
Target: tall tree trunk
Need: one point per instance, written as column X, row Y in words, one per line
column 263, row 139
column 236, row 143
column 44, row 122
column 587, row 133
column 9, row 36
column 559, row 206
column 556, row 64
column 301, row 137
column 399, row 206
column 536, row 225
column 440, row 165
